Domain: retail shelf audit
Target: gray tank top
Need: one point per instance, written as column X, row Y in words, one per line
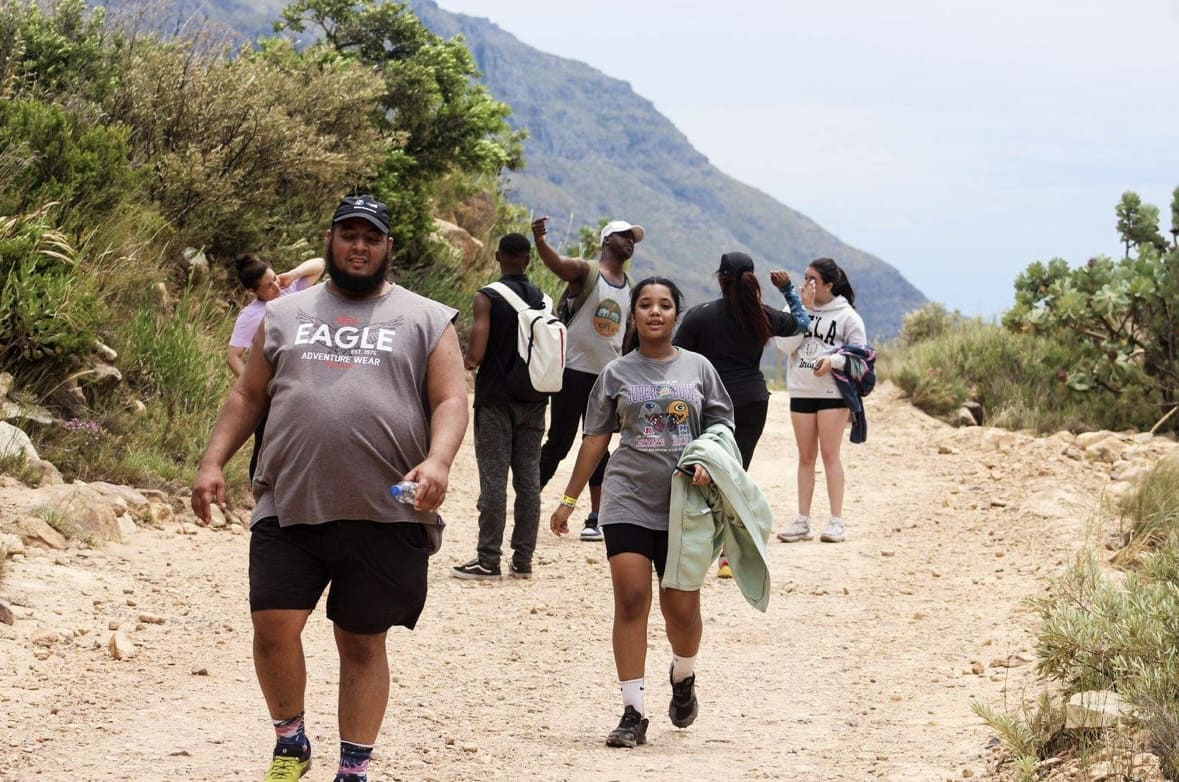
column 348, row 410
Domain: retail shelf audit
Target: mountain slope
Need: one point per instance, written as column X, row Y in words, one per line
column 599, row 150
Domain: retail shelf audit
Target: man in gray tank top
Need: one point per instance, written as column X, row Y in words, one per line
column 365, row 388
column 596, row 330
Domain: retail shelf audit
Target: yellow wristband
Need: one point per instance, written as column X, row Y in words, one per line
column 570, row 501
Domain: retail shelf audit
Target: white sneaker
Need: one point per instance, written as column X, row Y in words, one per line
column 799, row 529
column 835, row 533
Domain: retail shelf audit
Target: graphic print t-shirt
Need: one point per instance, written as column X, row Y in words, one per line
column 597, row 329
column 347, row 405
column 658, row 407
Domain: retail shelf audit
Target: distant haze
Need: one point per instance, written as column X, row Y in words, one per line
column 957, row 142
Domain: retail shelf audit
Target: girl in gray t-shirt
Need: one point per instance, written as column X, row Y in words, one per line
column 658, row 398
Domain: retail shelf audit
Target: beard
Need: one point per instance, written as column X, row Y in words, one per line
column 360, row 284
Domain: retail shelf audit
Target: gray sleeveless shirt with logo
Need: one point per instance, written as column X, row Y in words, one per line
column 348, row 409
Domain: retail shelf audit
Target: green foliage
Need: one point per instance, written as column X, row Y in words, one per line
column 49, row 155
column 49, row 308
column 246, row 152
column 930, row 322
column 1016, row 377
column 52, row 55
column 438, row 118
column 1031, row 734
column 1121, row 317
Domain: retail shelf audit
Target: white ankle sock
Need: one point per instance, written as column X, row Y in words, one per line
column 682, row 667
column 632, row 694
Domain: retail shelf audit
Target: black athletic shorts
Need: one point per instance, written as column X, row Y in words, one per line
column 377, row 571
column 633, row 539
column 814, row 405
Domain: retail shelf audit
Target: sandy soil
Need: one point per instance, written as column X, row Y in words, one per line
column 860, row 670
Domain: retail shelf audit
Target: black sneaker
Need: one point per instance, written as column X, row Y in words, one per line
column 683, row 707
column 631, row 730
column 520, row 571
column 475, row 571
column 591, row 532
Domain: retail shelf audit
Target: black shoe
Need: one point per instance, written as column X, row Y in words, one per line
column 683, row 708
column 520, row 571
column 475, row 571
column 590, row 532
column 631, row 730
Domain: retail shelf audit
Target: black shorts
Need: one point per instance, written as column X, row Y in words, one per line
column 633, row 539
column 377, row 571
column 815, row 404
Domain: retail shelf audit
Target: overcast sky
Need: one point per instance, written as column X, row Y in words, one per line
column 958, row 142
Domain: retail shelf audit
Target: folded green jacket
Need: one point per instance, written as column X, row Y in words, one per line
column 731, row 512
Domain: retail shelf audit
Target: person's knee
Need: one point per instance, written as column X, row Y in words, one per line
column 631, row 604
column 360, row 648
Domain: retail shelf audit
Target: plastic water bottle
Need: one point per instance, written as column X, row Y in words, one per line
column 405, row 492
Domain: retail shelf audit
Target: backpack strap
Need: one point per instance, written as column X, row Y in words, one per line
column 574, row 307
column 509, row 295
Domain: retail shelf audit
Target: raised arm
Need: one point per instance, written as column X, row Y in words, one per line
column 570, row 270
column 312, row 268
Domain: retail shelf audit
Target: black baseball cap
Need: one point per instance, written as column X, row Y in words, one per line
column 734, row 265
column 365, row 207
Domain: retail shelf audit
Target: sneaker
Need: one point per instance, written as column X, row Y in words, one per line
column 723, row 569
column 287, row 769
column 799, row 529
column 631, row 730
column 591, row 532
column 520, row 571
column 475, row 571
column 835, row 532
column 684, row 707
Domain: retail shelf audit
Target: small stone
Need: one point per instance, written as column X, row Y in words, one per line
column 470, row 749
column 888, row 553
column 977, row 668
column 151, row 619
column 200, row 670
column 120, row 646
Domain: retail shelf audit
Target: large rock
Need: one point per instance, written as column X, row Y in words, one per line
column 1094, row 709
column 14, row 442
column 467, row 246
column 77, row 509
column 34, row 531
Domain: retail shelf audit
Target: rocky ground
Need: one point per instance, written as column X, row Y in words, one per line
column 128, row 657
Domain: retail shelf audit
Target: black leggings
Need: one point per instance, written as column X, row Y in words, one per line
column 750, row 420
column 566, row 411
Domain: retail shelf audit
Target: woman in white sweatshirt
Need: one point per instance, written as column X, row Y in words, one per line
column 818, row 411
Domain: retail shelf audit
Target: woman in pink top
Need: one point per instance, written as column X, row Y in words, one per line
column 259, row 278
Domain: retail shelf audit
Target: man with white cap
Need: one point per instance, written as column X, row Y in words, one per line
column 595, row 308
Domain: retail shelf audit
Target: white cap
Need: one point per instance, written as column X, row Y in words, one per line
column 618, row 226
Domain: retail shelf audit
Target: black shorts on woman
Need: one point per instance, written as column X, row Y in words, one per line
column 815, row 404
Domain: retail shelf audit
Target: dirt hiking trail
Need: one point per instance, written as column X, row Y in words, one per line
column 860, row 670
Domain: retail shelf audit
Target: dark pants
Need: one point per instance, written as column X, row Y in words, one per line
column 508, row 436
column 566, row 413
column 750, row 421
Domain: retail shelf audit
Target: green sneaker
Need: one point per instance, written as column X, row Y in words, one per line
column 287, row 769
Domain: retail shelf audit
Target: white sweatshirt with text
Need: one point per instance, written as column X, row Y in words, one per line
column 833, row 325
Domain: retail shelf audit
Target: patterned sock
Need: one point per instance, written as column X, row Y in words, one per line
column 632, row 694
column 354, row 760
column 682, row 667
column 291, row 740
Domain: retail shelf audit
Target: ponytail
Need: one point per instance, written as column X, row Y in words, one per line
column 743, row 295
column 830, row 271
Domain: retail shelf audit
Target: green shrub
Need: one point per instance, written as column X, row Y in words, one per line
column 1018, row 378
column 50, row 308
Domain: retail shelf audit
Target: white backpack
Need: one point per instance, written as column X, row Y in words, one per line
column 540, row 348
